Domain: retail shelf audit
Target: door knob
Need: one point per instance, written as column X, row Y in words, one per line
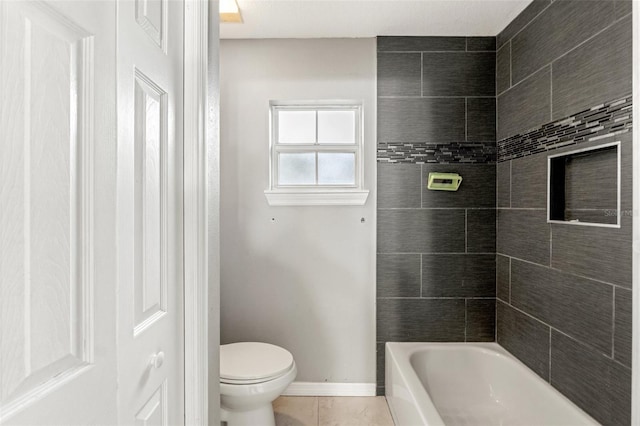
column 157, row 360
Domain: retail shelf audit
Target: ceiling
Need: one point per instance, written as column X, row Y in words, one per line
column 370, row 18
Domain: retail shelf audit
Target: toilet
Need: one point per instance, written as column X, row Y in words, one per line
column 252, row 376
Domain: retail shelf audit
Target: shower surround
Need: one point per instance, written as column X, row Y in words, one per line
column 436, row 250
column 556, row 296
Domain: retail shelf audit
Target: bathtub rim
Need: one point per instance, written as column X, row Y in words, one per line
column 400, row 353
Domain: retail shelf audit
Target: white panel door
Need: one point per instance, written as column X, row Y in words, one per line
column 57, row 212
column 150, row 273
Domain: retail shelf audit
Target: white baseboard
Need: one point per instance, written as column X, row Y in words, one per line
column 330, row 389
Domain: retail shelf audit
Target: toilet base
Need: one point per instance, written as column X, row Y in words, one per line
column 259, row 416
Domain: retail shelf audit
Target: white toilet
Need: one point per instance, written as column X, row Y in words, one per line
column 252, row 375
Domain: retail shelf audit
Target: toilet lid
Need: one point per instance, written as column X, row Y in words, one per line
column 252, row 361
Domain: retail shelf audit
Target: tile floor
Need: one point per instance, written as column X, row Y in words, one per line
column 332, row 411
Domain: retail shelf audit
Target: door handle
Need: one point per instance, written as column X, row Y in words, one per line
column 156, row 360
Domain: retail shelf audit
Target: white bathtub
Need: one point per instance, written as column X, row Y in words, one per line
column 470, row 384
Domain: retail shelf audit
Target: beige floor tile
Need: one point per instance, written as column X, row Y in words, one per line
column 354, row 411
column 296, row 411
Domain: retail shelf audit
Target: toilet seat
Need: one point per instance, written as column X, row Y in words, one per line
column 248, row 363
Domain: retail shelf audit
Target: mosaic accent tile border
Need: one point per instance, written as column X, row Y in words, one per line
column 601, row 121
column 444, row 153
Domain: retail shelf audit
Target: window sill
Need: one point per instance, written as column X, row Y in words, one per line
column 316, row 198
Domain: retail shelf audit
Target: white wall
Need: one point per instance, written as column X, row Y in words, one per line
column 299, row 277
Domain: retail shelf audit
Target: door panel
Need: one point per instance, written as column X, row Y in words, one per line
column 154, row 411
column 151, row 195
column 57, row 73
column 150, row 86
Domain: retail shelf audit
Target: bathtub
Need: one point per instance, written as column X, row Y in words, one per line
column 470, row 384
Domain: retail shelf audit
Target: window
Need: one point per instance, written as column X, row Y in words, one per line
column 316, row 153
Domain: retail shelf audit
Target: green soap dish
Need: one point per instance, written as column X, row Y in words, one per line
column 444, row 181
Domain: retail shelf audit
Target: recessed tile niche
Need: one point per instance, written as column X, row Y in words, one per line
column 584, row 186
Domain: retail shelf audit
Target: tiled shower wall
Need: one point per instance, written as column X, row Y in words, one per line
column 564, row 291
column 436, row 250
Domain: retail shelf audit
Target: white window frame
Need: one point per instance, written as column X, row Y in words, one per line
column 307, row 195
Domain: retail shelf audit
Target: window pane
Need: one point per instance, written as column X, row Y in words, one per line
column 336, row 127
column 336, row 169
column 296, row 126
column 297, row 169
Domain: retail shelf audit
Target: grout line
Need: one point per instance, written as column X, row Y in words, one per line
column 466, row 44
column 510, row 174
column 509, row 280
column 421, row 183
column 465, row 231
column 438, row 298
column 466, row 121
column 530, row 21
column 421, row 74
column 447, row 208
column 533, row 209
column 613, row 325
column 421, row 275
column 566, row 272
column 431, row 97
column 580, row 342
column 465, row 320
column 432, row 51
column 550, row 333
column 495, row 323
column 550, row 246
column 551, row 92
column 510, row 67
column 564, row 54
column 485, row 253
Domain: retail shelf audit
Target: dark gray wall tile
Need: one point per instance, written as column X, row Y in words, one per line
column 421, row 43
column 595, row 383
column 623, row 8
column 591, row 181
column 481, row 119
column 399, row 185
column 380, row 360
column 526, row 105
column 481, row 320
column 420, row 231
column 579, row 307
column 421, row 120
column 503, row 68
column 530, row 12
column 476, row 190
column 623, row 327
column 458, row 74
column 487, row 44
column 598, row 71
column 503, row 278
column 529, row 182
column 524, row 337
column 398, row 275
column 503, row 182
column 420, row 320
column 399, row 74
column 481, row 231
column 563, row 26
column 600, row 253
column 458, row 275
column 524, row 234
